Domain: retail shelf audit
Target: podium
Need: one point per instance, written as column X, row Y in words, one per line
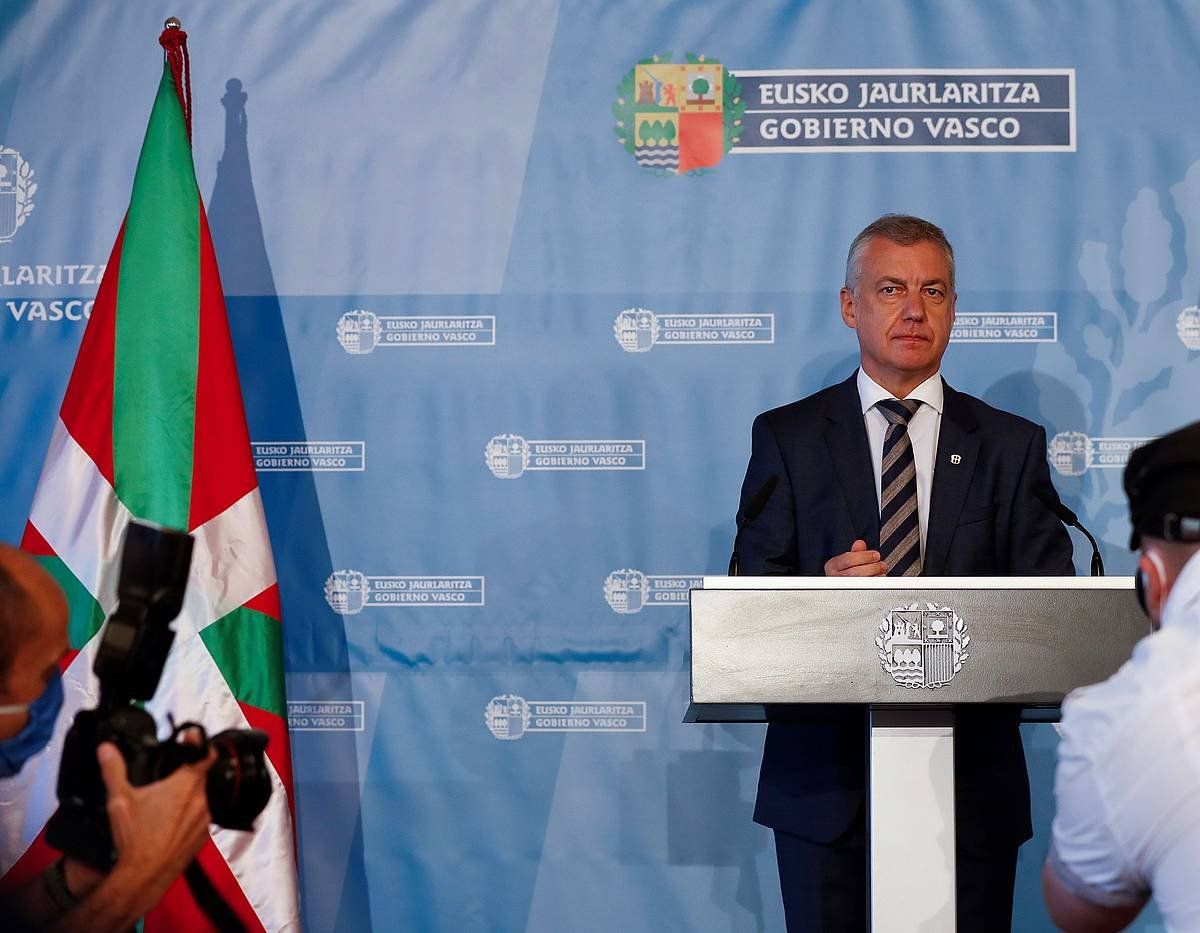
column 910, row 649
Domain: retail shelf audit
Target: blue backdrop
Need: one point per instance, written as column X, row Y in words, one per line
column 500, row 360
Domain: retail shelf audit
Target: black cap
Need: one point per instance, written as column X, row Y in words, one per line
column 1162, row 481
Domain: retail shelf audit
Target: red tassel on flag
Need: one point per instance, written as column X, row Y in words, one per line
column 174, row 43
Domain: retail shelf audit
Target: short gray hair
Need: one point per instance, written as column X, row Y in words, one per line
column 902, row 229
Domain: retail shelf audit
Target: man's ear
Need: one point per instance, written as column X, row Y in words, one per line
column 848, row 316
column 1154, row 582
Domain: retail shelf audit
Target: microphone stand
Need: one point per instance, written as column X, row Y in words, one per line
column 753, row 508
column 1049, row 498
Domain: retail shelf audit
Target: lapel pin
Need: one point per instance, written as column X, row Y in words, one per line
column 956, row 458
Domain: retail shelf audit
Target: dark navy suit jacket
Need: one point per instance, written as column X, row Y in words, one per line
column 984, row 520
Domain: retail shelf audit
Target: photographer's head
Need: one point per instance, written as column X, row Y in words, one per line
column 1162, row 481
column 33, row 638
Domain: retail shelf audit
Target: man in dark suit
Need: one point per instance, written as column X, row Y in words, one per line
column 894, row 472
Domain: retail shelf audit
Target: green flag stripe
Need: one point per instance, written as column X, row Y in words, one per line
column 86, row 614
column 157, row 345
column 248, row 648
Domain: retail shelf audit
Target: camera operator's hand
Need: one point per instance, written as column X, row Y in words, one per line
column 157, row 830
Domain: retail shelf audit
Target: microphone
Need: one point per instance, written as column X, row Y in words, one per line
column 1048, row 496
column 754, row 508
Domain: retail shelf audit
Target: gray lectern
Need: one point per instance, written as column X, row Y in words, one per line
column 910, row 649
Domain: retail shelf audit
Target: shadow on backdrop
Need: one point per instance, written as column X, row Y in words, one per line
column 664, row 822
column 1055, row 406
column 333, row 887
column 697, row 780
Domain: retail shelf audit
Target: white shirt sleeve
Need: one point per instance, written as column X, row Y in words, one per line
column 1086, row 853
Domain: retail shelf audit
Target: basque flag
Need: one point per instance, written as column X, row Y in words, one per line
column 152, row 427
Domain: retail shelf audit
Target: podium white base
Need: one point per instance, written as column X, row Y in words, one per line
column 911, row 800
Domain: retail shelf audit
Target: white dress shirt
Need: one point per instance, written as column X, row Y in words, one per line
column 923, row 431
column 1127, row 786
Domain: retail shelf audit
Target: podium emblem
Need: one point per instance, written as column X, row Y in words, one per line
column 922, row 647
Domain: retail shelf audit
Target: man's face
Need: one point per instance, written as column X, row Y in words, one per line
column 902, row 308
column 37, row 654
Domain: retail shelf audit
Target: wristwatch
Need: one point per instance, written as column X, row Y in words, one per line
column 54, row 882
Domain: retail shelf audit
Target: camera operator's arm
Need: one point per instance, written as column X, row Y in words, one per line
column 157, row 830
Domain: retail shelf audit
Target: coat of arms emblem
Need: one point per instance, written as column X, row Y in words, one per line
column 922, row 647
column 507, row 716
column 636, row 330
column 626, row 590
column 1071, row 453
column 507, row 455
column 347, row 592
column 358, row 331
column 1187, row 325
column 675, row 118
column 17, row 189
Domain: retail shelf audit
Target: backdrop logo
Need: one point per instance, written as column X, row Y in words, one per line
column 1073, row 453
column 349, row 592
column 309, row 456
column 325, row 715
column 17, row 189
column 509, row 716
column 912, row 110
column 59, row 309
column 628, row 590
column 358, row 331
column 1005, row 327
column 922, row 647
column 637, row 329
column 361, row 331
column 508, row 456
column 1188, row 327
column 52, row 275
column 678, row 118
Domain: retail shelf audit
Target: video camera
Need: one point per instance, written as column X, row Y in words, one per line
column 129, row 663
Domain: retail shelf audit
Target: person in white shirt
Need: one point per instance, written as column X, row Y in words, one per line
column 1127, row 787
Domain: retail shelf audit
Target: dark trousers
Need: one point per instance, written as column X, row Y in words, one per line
column 825, row 886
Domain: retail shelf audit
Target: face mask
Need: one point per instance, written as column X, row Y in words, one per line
column 43, row 711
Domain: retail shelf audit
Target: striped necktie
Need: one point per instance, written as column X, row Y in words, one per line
column 899, row 525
